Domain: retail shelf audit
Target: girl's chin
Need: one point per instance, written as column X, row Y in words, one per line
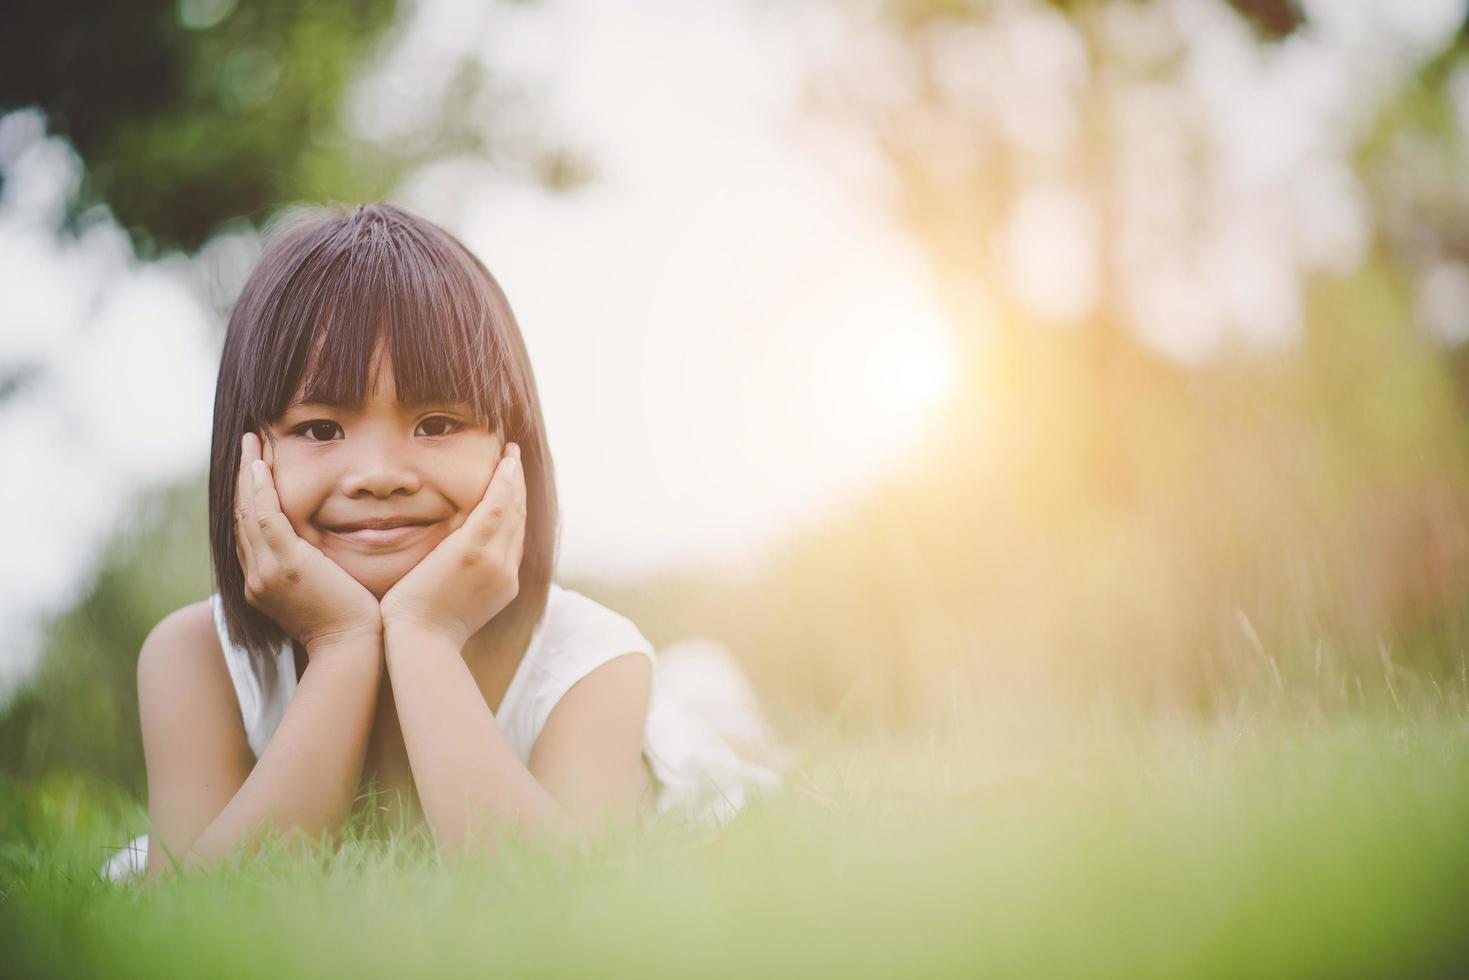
column 379, row 573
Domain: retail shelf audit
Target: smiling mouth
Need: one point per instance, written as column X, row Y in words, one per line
column 380, row 538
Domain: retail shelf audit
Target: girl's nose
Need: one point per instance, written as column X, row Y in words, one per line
column 379, row 472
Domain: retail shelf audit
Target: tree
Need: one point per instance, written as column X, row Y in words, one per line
column 191, row 113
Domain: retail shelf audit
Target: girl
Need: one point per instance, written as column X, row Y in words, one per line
column 382, row 522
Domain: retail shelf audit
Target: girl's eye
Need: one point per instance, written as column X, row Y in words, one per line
column 443, row 423
column 323, row 430
column 318, row 431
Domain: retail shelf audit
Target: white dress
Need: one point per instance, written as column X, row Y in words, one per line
column 701, row 707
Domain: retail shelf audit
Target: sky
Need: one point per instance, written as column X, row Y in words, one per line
column 729, row 335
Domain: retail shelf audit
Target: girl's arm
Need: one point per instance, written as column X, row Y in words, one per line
column 204, row 795
column 468, row 776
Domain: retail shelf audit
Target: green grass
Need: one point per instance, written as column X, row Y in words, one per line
column 1006, row 848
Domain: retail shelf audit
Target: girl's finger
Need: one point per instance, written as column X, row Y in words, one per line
column 244, row 518
column 517, row 544
column 519, row 478
column 517, row 474
column 510, row 532
column 499, row 499
column 519, row 506
column 275, row 530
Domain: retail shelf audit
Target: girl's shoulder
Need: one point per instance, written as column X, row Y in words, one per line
column 184, row 683
column 188, row 632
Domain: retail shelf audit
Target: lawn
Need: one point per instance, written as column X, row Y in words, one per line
column 1257, row 845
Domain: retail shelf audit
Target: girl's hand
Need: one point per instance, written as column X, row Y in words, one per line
column 473, row 573
column 308, row 595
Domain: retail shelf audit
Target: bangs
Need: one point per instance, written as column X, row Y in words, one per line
column 391, row 286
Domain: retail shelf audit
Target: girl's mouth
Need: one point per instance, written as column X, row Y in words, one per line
column 382, row 538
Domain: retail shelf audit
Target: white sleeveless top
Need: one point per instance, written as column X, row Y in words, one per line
column 701, row 706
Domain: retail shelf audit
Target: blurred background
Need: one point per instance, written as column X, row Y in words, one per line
column 940, row 357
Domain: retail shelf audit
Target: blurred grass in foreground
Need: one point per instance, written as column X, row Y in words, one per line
column 1257, row 845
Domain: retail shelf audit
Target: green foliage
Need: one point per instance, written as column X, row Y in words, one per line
column 185, row 128
column 79, row 713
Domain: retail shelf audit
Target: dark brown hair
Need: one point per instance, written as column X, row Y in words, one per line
column 330, row 286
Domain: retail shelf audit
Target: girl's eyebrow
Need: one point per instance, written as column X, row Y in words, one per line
column 304, row 403
column 418, row 403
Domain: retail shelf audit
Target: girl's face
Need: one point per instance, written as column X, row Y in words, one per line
column 416, row 471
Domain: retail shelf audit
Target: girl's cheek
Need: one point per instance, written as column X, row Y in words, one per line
column 472, row 475
column 478, row 485
column 294, row 497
